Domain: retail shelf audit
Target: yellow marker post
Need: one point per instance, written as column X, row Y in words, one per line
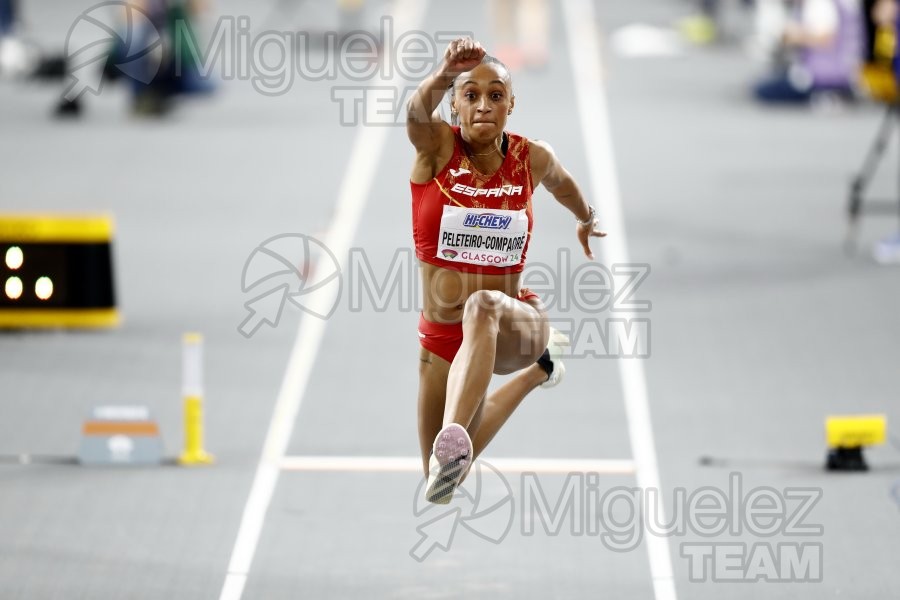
column 846, row 436
column 192, row 391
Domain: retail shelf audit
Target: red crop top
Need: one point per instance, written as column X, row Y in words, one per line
column 469, row 222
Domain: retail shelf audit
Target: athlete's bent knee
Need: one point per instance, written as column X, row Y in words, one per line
column 483, row 308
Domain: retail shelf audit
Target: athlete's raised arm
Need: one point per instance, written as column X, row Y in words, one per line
column 427, row 131
column 549, row 171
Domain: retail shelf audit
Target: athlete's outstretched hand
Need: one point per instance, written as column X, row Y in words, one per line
column 463, row 54
column 585, row 233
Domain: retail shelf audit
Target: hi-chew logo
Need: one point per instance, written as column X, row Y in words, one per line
column 487, row 221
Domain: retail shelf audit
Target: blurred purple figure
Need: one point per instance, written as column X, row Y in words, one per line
column 822, row 41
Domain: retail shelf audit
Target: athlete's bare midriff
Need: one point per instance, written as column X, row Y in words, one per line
column 446, row 291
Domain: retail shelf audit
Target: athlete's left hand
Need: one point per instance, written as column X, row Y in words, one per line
column 585, row 233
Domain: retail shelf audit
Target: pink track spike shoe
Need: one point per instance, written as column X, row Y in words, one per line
column 451, row 457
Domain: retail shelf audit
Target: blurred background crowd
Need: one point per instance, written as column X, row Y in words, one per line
column 820, row 52
column 825, row 55
column 816, row 51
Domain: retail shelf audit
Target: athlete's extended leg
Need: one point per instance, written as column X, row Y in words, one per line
column 433, row 372
column 500, row 335
column 491, row 414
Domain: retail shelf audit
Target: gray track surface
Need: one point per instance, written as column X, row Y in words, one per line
column 761, row 326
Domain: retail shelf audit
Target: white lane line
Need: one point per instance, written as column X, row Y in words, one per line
column 413, row 464
column 584, row 54
column 354, row 192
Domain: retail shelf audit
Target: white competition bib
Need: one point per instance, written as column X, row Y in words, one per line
column 482, row 236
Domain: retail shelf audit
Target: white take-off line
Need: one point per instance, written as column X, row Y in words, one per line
column 352, row 196
column 585, row 57
column 413, row 464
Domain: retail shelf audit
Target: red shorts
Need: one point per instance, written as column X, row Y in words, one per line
column 526, row 294
column 444, row 339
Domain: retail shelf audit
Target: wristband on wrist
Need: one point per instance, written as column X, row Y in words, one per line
column 589, row 220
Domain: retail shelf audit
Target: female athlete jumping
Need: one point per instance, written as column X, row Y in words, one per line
column 471, row 189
